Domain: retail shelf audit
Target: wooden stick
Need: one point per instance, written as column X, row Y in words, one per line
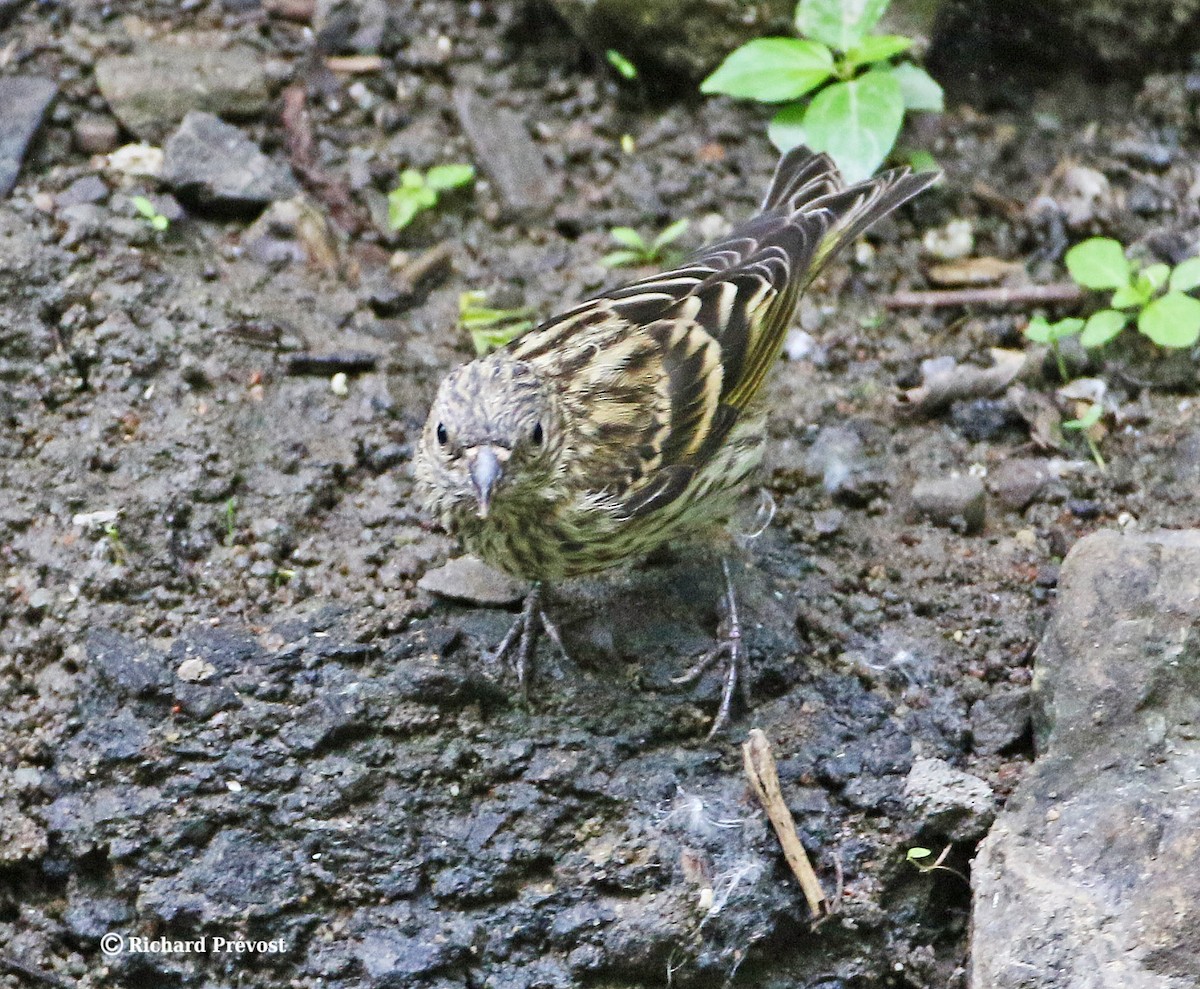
column 1001, row 296
column 760, row 767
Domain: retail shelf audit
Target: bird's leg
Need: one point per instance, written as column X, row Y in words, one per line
column 520, row 642
column 731, row 646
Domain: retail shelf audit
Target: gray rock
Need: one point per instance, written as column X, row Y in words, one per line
column 1017, row 482
column 363, row 26
column 838, row 459
column 214, row 164
column 687, row 38
column 1000, row 720
column 470, row 579
column 153, row 89
column 1091, row 876
column 25, row 100
column 948, row 801
column 505, row 150
column 95, row 134
column 88, row 189
column 958, row 502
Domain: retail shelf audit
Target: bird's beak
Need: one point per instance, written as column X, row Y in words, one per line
column 486, row 469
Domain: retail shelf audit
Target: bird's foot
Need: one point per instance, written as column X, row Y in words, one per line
column 730, row 647
column 519, row 645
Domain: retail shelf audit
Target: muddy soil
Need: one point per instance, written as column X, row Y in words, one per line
column 226, row 708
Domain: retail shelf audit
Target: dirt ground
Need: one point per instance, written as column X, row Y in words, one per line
column 226, row 709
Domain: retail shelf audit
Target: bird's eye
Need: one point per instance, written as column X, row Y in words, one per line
column 537, row 435
column 442, row 436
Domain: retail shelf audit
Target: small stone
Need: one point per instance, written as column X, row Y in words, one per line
column 955, row 501
column 983, row 419
column 470, row 579
column 95, row 134
column 828, row 522
column 89, row 189
column 1017, row 482
column 215, row 164
column 1000, row 721
column 154, row 88
column 25, row 100
column 195, row 670
column 948, row 801
column 955, row 240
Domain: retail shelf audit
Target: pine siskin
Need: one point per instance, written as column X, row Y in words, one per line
column 634, row 419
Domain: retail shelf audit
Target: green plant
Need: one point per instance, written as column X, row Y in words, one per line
column 419, row 192
column 490, row 328
column 861, row 95
column 636, row 250
column 1088, row 425
column 148, row 211
column 229, row 516
column 919, row 859
column 625, row 68
column 116, row 545
column 1154, row 295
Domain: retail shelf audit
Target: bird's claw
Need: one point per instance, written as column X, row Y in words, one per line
column 519, row 645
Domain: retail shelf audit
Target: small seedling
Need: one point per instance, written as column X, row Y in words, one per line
column 637, row 251
column 281, row 576
column 1041, row 331
column 1088, row 424
column 919, row 859
column 490, row 328
column 116, row 545
column 149, row 212
column 1155, row 295
column 229, row 514
column 861, row 95
column 419, row 192
column 625, row 68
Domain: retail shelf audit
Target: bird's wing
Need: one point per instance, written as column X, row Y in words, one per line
column 666, row 364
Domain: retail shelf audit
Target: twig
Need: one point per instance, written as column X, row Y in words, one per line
column 15, row 967
column 760, row 767
column 338, row 362
column 1001, row 296
column 334, row 194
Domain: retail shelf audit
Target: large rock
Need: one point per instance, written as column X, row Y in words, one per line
column 1090, row 878
column 153, row 89
column 688, row 38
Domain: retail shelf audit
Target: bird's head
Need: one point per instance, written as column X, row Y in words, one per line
column 494, row 433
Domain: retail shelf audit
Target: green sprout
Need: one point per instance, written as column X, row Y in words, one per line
column 148, row 211
column 625, row 68
column 116, row 545
column 842, row 91
column 490, row 328
column 229, row 514
column 282, row 575
column 1154, row 294
column 919, row 859
column 419, row 192
column 636, row 250
column 1088, row 424
column 1041, row 331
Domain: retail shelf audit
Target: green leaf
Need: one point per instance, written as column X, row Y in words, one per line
column 786, row 129
column 621, row 259
column 922, row 161
column 914, row 854
column 625, row 68
column 144, row 207
column 404, row 204
column 1101, row 327
column 919, row 89
column 840, row 24
column 672, row 233
column 159, row 222
column 1155, row 276
column 486, row 340
column 443, row 177
column 628, row 237
column 1038, row 330
column 1099, row 262
column 877, row 48
column 771, row 70
column 1129, row 296
column 1087, row 420
column 856, row 122
column 1186, row 276
column 410, row 178
column 1172, row 321
column 1041, row 331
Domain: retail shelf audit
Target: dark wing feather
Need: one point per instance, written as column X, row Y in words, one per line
column 712, row 328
